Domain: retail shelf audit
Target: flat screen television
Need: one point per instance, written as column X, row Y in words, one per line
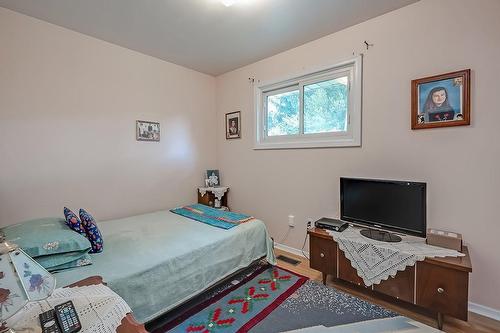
column 398, row 206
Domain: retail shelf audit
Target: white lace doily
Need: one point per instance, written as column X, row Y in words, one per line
column 375, row 261
column 217, row 191
column 99, row 309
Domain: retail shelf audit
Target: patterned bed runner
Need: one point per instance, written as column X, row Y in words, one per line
column 211, row 216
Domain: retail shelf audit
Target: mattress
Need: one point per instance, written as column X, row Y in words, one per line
column 159, row 260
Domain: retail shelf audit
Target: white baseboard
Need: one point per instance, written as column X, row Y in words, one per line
column 473, row 307
column 290, row 249
column 484, row 311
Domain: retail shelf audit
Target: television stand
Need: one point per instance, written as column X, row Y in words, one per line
column 438, row 286
column 380, row 235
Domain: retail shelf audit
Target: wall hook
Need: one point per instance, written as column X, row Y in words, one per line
column 368, row 45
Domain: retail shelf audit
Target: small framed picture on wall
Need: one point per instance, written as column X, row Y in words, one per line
column 233, row 125
column 441, row 100
column 147, row 131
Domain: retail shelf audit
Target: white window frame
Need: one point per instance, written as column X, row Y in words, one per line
column 351, row 68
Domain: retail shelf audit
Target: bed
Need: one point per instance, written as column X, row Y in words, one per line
column 159, row 260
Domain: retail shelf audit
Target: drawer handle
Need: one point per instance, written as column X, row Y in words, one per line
column 322, row 255
column 440, row 290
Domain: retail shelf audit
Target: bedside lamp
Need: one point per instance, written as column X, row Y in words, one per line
column 22, row 280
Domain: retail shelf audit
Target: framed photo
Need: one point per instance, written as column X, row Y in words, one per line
column 233, row 125
column 147, row 131
column 213, row 178
column 441, row 100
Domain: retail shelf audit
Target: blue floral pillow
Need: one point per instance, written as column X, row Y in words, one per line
column 74, row 222
column 93, row 233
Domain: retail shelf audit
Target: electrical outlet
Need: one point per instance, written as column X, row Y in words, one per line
column 291, row 221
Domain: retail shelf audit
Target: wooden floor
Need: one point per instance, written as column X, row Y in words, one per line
column 476, row 323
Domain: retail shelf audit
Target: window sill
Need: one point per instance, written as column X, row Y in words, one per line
column 307, row 144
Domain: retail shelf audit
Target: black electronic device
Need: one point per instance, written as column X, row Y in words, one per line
column 331, row 224
column 48, row 322
column 384, row 204
column 62, row 319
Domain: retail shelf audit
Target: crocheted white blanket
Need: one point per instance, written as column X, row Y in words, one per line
column 99, row 309
column 375, row 261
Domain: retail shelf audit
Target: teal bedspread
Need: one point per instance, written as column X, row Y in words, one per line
column 158, row 261
column 211, row 216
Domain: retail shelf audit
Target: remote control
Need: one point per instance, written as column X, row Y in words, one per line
column 48, row 322
column 67, row 317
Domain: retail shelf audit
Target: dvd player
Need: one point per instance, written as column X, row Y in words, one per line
column 331, row 224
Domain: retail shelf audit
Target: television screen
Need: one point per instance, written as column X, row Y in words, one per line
column 387, row 204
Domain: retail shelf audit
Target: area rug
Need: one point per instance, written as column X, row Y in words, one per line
column 242, row 306
column 385, row 325
column 272, row 299
column 316, row 304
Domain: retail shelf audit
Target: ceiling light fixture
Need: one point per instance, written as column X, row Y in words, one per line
column 228, row 3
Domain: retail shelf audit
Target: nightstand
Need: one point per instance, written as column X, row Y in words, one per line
column 207, row 196
column 98, row 307
column 128, row 325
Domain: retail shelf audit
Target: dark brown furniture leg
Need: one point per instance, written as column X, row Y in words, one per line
column 440, row 320
column 324, row 275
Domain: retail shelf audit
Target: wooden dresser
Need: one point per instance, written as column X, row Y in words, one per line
column 440, row 285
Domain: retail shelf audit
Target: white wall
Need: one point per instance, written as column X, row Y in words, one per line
column 68, row 106
column 460, row 164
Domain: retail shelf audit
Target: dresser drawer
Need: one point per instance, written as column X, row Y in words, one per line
column 442, row 289
column 323, row 254
column 401, row 286
column 347, row 272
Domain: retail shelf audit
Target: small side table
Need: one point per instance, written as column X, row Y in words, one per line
column 207, row 196
column 87, row 305
column 128, row 325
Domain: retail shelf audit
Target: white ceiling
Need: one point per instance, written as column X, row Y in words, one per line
column 205, row 35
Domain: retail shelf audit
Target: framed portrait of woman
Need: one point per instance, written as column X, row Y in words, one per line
column 233, row 125
column 441, row 100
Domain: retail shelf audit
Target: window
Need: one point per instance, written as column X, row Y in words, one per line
column 320, row 109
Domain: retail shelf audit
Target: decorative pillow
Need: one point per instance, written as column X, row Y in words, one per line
column 93, row 233
column 74, row 222
column 45, row 236
column 61, row 261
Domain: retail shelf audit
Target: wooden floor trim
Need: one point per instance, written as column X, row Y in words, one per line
column 484, row 311
column 290, row 249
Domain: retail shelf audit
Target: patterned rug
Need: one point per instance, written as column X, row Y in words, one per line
column 271, row 299
column 384, row 325
column 315, row 304
column 242, row 306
